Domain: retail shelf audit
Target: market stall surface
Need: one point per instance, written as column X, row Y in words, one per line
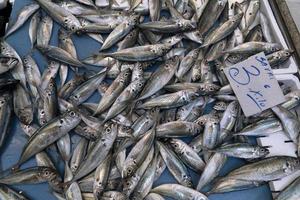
column 16, row 140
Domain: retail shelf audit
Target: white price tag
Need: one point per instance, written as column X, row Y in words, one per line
column 254, row 84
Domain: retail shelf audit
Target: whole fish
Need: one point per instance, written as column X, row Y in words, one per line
column 87, row 88
column 49, row 133
column 60, row 15
column 78, row 154
column 224, row 185
column 171, row 100
column 60, row 55
column 140, row 53
column 101, row 177
column 177, row 129
column 175, row 165
column 242, row 150
column 24, row 14
column 34, row 175
column 223, row 30
column 254, row 47
column 188, row 155
column 33, row 75
column 182, row 192
column 169, row 26
column 266, row 170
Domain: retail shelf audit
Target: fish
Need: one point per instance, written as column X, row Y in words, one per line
column 22, row 105
column 120, row 31
column 49, row 133
column 182, row 192
column 211, row 170
column 268, row 169
column 24, row 14
column 33, row 75
column 140, row 53
column 174, row 165
column 33, row 28
column 44, row 31
column 60, row 15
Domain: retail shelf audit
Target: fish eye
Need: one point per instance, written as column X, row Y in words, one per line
column 61, row 121
column 107, row 130
column 72, row 113
column 211, row 89
column 287, row 53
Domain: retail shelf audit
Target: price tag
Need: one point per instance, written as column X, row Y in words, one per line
column 254, row 84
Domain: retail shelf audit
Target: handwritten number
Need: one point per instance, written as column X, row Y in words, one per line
column 262, row 61
column 235, row 72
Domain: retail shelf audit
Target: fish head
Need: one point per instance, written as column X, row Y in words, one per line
column 72, row 24
column 129, row 168
column 125, row 131
column 189, row 95
column 186, row 24
column 133, row 20
column 220, row 106
column 287, row 53
column 177, row 145
column 98, row 188
column 172, row 63
column 70, row 118
column 234, row 108
column 48, row 173
column 261, row 152
column 26, row 115
column 273, row 47
column 186, row 181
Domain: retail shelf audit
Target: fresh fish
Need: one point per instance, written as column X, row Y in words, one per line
column 87, row 88
column 44, row 31
column 78, row 154
column 60, row 15
column 242, row 150
column 49, row 133
column 114, row 90
column 223, row 30
column 254, row 47
column 266, row 170
column 174, row 165
column 120, row 31
column 211, row 170
column 34, row 175
column 60, row 55
column 171, row 100
column 169, row 26
column 277, row 58
column 182, row 192
column 24, row 14
column 187, row 155
column 224, row 185
column 140, row 53
column 101, row 176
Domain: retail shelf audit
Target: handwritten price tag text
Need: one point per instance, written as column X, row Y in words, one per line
column 254, row 84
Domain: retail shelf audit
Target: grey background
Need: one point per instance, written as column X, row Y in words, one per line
column 294, row 6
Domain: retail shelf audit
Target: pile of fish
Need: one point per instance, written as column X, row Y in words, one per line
column 165, row 104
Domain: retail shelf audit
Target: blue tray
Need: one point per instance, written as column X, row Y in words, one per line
column 16, row 139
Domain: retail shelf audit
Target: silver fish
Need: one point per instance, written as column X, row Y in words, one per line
column 44, row 31
column 182, row 192
column 24, row 14
column 33, row 28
